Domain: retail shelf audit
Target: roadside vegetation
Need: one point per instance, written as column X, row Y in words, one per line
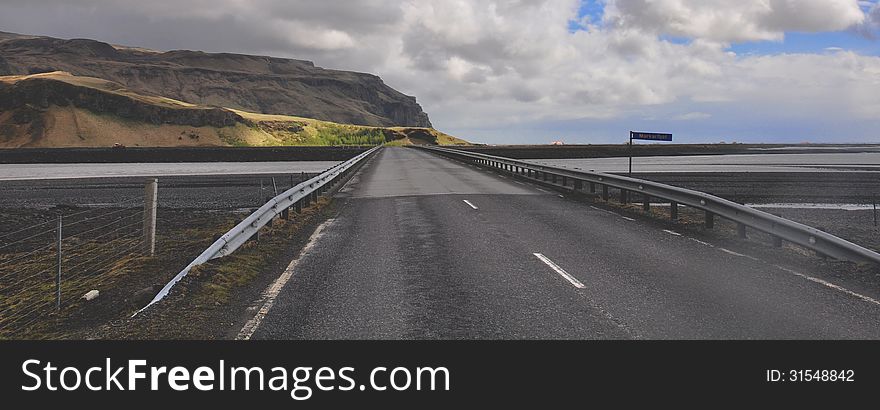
column 90, row 112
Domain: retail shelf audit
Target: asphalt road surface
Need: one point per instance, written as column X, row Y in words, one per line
column 758, row 162
column 25, row 172
column 231, row 191
column 428, row 248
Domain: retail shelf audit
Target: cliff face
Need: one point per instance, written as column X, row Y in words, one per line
column 57, row 109
column 27, row 97
column 251, row 83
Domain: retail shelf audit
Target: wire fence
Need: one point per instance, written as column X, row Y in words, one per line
column 49, row 265
column 99, row 240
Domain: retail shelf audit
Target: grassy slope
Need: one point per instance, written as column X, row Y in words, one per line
column 75, row 127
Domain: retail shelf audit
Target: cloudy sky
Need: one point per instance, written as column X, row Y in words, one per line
column 543, row 70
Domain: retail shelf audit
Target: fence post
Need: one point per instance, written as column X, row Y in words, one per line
column 58, row 264
column 151, row 196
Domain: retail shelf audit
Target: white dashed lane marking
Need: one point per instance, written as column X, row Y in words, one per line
column 571, row 279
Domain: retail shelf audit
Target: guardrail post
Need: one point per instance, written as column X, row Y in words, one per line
column 151, row 196
column 578, row 184
column 592, row 187
column 741, row 231
column 564, row 180
column 823, row 244
column 553, row 176
column 777, row 241
column 58, row 265
column 298, row 206
column 646, row 205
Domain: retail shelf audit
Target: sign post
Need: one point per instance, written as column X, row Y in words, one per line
column 650, row 136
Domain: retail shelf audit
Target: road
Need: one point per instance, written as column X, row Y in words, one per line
column 427, row 248
column 758, row 162
column 232, row 191
column 24, row 172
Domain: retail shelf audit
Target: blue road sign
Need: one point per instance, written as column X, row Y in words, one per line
column 651, row 136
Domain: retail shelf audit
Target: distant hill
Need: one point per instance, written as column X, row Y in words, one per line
column 58, row 109
column 257, row 84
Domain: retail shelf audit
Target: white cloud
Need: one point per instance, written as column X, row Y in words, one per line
column 692, row 116
column 733, row 21
column 498, row 64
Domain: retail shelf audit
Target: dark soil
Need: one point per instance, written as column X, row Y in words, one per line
column 778, row 187
column 646, row 150
column 216, row 299
column 171, row 154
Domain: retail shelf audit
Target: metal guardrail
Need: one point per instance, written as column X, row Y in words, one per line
column 306, row 191
column 780, row 228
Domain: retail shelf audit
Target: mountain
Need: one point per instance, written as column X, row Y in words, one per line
column 58, row 109
column 257, row 84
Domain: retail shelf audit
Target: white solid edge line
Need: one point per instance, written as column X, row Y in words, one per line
column 470, row 204
column 603, row 210
column 571, row 279
column 796, row 273
column 728, row 251
column 830, row 285
column 702, row 243
column 274, row 289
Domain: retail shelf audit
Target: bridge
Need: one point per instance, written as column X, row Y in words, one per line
column 420, row 243
column 425, row 246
